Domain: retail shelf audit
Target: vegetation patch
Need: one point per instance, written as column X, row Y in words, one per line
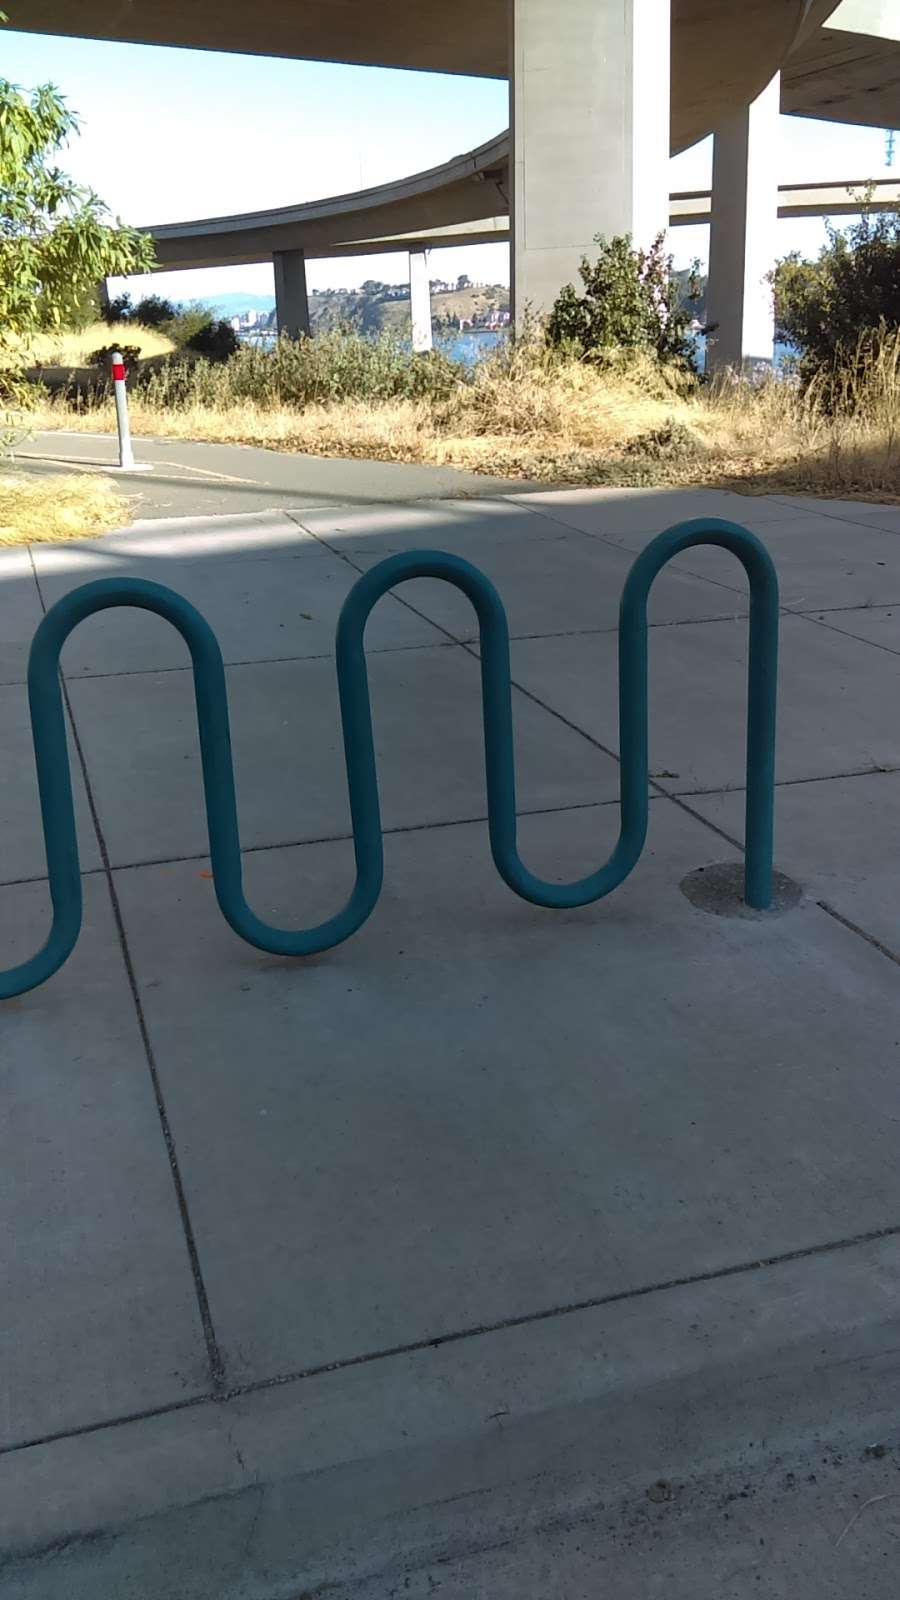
column 630, row 300
column 57, row 240
column 42, row 510
column 81, row 347
column 532, row 412
column 605, row 391
column 837, row 310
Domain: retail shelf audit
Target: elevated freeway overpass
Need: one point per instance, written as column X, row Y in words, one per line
column 601, row 93
column 464, row 201
column 439, row 208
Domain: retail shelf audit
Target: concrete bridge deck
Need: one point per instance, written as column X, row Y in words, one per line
column 497, row 1252
column 466, row 201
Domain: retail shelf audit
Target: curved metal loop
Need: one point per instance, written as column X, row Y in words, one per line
column 55, row 784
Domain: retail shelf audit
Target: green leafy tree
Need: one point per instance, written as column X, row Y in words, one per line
column 850, row 293
column 153, row 311
column 57, row 239
column 630, row 300
column 216, row 340
column 185, row 322
column 119, row 309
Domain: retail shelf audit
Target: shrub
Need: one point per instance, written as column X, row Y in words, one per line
column 342, row 365
column 183, row 324
column 672, row 439
column 153, row 311
column 131, row 354
column 630, row 301
column 216, row 340
column 188, row 321
column 177, row 382
column 843, row 303
column 118, row 310
column 299, row 372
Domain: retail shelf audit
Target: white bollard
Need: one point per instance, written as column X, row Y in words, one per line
column 126, row 454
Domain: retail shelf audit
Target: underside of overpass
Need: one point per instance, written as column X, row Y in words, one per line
column 470, row 191
column 723, row 51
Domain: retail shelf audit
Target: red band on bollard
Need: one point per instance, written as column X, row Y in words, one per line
column 118, row 371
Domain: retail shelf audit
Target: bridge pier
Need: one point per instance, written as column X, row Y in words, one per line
column 291, row 298
column 420, row 300
column 743, row 222
column 589, row 111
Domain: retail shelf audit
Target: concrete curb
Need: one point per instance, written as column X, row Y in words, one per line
column 455, row 1447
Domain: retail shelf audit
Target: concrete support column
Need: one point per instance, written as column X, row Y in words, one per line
column 419, row 300
column 291, row 298
column 743, row 222
column 589, row 114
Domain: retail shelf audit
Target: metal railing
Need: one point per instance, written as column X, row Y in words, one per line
column 55, row 782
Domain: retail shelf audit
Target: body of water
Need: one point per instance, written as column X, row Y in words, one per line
column 473, row 344
column 470, row 345
column 780, row 354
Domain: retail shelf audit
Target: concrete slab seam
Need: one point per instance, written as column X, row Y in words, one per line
column 599, row 538
column 680, row 799
column 213, row 1352
column 221, row 1394
column 861, row 933
column 818, row 621
column 657, row 787
column 677, row 799
column 820, row 511
column 448, row 643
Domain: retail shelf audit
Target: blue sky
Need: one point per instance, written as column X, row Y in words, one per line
column 170, row 134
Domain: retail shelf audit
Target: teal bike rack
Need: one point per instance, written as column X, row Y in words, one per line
column 55, row 781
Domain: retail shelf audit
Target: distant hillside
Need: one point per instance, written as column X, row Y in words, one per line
column 232, row 304
column 380, row 307
column 687, row 280
column 384, row 308
column 376, row 307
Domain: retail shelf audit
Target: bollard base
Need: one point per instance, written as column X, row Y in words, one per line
column 719, row 889
column 136, row 466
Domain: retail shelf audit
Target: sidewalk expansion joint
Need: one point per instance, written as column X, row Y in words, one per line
column 861, row 933
column 220, row 1395
column 213, row 1352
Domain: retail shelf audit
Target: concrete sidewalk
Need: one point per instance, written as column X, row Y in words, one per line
column 498, row 1252
column 193, row 480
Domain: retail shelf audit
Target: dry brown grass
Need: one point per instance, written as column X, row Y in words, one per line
column 42, row 510
column 67, row 349
column 572, row 423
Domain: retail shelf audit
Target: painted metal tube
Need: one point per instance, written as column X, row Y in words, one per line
column 55, row 785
